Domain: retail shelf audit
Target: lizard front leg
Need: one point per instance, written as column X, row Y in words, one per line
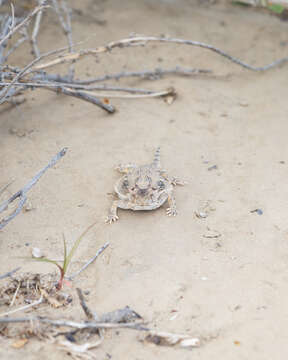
column 171, row 210
column 174, row 180
column 112, row 215
column 124, row 168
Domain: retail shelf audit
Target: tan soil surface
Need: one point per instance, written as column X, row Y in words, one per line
column 230, row 290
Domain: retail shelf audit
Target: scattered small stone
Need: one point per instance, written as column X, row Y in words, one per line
column 201, row 214
column 204, row 209
column 213, row 167
column 258, row 211
column 173, row 317
column 20, row 132
column 243, row 104
column 212, row 234
column 28, row 206
column 169, row 99
column 37, row 253
column 282, row 162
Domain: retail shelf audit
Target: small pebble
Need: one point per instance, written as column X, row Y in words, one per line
column 214, row 167
column 258, row 211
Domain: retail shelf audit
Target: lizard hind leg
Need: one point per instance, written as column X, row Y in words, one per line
column 171, row 210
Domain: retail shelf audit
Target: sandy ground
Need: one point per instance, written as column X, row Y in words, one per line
column 230, row 290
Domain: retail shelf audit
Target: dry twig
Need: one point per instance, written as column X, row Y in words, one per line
column 21, row 194
column 66, row 26
column 75, row 324
column 143, row 40
column 32, row 75
column 37, row 302
column 9, row 273
column 145, row 74
column 90, row 315
column 36, row 28
column 22, row 23
column 71, row 277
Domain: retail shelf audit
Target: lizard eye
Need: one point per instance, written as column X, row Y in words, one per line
column 125, row 183
column 161, row 184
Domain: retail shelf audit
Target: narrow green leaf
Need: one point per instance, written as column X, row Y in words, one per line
column 65, row 255
column 76, row 244
column 41, row 260
column 276, row 8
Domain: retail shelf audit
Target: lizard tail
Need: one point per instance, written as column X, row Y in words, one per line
column 156, row 161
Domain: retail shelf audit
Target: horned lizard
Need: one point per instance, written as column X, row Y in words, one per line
column 145, row 187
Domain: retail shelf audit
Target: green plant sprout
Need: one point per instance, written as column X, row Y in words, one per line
column 66, row 257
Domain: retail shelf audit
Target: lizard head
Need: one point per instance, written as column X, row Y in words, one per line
column 143, row 182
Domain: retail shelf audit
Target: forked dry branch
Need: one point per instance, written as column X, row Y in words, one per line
column 16, row 80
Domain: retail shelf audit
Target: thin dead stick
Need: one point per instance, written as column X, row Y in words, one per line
column 25, row 70
column 9, row 273
column 56, row 85
column 84, row 306
column 4, row 28
column 170, row 91
column 37, row 302
column 22, row 23
column 21, row 73
column 6, row 187
column 89, row 97
column 15, row 294
column 17, row 44
column 90, row 315
column 67, row 28
column 35, row 31
column 146, row 74
column 143, row 40
column 75, row 324
column 71, row 277
column 22, row 193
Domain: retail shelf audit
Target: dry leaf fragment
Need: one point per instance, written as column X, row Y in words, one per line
column 51, row 300
column 83, row 348
column 170, row 339
column 171, row 96
column 28, row 206
column 169, row 99
column 124, row 315
column 18, row 344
